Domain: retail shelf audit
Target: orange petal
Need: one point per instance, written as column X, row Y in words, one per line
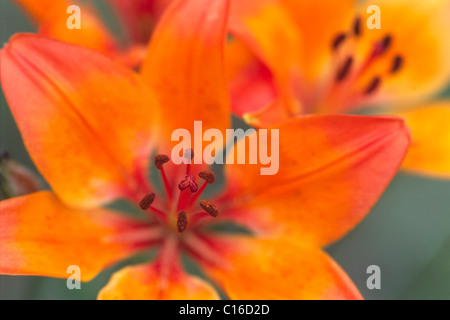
column 86, row 121
column 52, row 18
column 430, row 148
column 302, row 31
column 139, row 17
column 251, row 83
column 424, row 50
column 332, row 170
column 143, row 282
column 260, row 24
column 41, row 236
column 280, row 269
column 185, row 65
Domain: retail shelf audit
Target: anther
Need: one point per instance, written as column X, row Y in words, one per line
column 147, row 201
column 357, row 27
column 182, row 221
column 208, row 176
column 345, row 69
column 188, row 182
column 160, row 159
column 386, row 42
column 209, row 207
column 397, row 63
column 373, row 85
column 338, row 40
column 382, row 46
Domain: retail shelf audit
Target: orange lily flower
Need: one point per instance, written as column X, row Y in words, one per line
column 137, row 17
column 296, row 57
column 91, row 125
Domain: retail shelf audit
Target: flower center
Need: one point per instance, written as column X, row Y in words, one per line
column 181, row 211
column 357, row 77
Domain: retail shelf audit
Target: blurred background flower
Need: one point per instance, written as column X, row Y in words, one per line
column 407, row 233
column 326, row 60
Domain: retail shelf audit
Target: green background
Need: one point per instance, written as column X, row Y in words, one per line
column 407, row 234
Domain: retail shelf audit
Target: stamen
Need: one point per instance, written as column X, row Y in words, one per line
column 373, row 85
column 338, row 41
column 386, row 42
column 382, row 46
column 208, row 176
column 160, row 159
column 345, row 69
column 209, row 207
column 357, row 27
column 182, row 221
column 188, row 182
column 198, row 216
column 397, row 63
column 147, row 201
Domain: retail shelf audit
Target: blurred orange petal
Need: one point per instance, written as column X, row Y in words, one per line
column 144, row 282
column 41, row 236
column 430, row 148
column 261, row 24
column 185, row 65
column 51, row 17
column 86, row 121
column 272, row 269
column 414, row 65
column 139, row 17
column 251, row 82
column 302, row 31
column 332, row 170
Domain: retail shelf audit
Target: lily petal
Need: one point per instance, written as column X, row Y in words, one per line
column 303, row 32
column 41, row 236
column 251, row 82
column 143, row 282
column 51, row 17
column 139, row 17
column 332, row 170
column 295, row 271
column 308, row 69
column 185, row 65
column 85, row 120
column 430, row 148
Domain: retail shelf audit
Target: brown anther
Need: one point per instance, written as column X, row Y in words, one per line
column 397, row 63
column 373, row 85
column 182, row 221
column 386, row 42
column 382, row 46
column 209, row 207
column 160, row 159
column 147, row 201
column 188, row 182
column 208, row 176
column 338, row 40
column 356, row 28
column 345, row 69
